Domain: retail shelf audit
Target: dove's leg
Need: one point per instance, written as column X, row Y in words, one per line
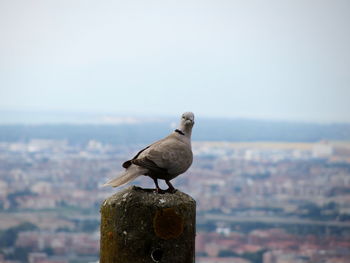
column 160, row 191
column 171, row 188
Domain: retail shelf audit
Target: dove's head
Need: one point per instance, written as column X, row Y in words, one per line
column 187, row 120
column 186, row 124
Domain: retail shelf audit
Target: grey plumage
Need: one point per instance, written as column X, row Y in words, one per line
column 164, row 159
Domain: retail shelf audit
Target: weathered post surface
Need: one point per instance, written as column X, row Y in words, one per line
column 138, row 225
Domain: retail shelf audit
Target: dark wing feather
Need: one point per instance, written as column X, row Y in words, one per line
column 150, row 165
column 129, row 162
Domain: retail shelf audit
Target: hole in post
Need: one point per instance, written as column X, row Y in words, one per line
column 157, row 255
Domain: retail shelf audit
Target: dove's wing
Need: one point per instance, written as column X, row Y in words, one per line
column 130, row 162
column 150, row 165
column 170, row 155
column 126, row 164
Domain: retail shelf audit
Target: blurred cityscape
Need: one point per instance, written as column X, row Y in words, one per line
column 257, row 202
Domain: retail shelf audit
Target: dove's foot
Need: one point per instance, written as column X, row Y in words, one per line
column 171, row 188
column 160, row 191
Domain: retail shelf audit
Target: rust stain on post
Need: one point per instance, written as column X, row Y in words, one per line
column 168, row 224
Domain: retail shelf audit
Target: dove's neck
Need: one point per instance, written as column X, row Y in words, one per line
column 186, row 130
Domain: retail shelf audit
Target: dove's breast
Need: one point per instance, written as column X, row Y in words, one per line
column 178, row 160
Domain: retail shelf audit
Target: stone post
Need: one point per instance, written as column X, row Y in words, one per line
column 139, row 225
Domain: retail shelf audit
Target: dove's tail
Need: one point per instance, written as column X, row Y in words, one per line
column 128, row 175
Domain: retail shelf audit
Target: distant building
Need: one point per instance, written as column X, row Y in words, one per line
column 42, row 188
column 223, row 230
column 322, row 149
column 221, row 260
column 283, row 257
column 36, row 257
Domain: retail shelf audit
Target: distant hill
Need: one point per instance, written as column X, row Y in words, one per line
column 204, row 130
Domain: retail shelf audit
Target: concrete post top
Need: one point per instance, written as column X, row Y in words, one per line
column 148, row 197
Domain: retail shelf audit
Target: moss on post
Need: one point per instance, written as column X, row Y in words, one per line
column 138, row 225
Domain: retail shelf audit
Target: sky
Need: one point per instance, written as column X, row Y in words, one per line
column 272, row 59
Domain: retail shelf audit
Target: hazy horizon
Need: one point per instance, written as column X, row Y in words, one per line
column 36, row 117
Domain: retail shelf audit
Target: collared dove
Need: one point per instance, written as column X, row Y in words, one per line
column 164, row 159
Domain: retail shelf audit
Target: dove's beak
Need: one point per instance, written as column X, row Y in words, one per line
column 189, row 122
